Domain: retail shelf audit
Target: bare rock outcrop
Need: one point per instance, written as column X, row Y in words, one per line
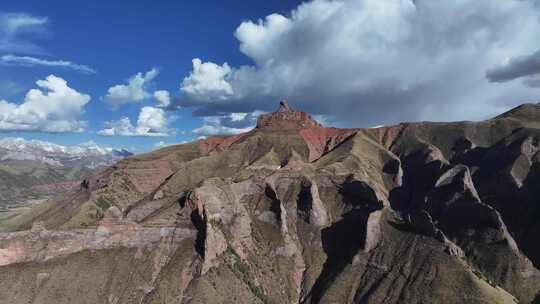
column 323, row 140
column 40, row 244
column 286, row 118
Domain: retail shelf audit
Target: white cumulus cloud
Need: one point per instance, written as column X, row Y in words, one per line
column 373, row 62
column 211, row 129
column 151, row 122
column 135, row 90
column 163, row 97
column 53, row 107
column 207, row 81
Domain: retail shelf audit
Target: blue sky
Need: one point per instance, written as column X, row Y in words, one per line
column 139, row 74
column 119, row 39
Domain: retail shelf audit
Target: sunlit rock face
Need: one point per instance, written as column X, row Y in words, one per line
column 295, row 212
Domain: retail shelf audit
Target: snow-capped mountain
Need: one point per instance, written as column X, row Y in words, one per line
column 36, row 170
column 90, row 154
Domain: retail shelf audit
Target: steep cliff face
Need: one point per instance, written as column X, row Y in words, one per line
column 293, row 212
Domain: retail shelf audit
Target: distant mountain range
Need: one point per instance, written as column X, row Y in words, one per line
column 89, row 154
column 34, row 169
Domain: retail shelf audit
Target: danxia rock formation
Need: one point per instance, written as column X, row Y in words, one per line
column 286, row 118
column 294, row 212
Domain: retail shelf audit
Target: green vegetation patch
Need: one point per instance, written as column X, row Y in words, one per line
column 242, row 271
column 103, row 203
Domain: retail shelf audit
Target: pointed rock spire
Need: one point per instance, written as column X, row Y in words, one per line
column 286, row 118
column 284, row 106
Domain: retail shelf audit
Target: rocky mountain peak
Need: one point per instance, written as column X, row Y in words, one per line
column 286, row 118
column 284, row 106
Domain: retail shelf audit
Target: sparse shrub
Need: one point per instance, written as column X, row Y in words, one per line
column 103, row 203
